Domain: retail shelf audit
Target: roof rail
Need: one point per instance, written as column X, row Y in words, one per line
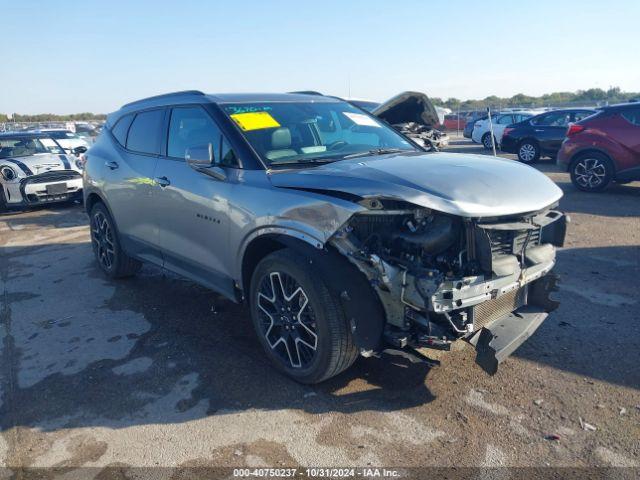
column 164, row 95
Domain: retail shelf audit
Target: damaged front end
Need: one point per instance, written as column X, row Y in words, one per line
column 441, row 278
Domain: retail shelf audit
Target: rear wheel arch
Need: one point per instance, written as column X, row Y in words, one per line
column 591, row 151
column 582, row 178
column 533, row 153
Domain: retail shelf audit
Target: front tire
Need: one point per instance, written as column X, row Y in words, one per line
column 299, row 320
column 106, row 245
column 591, row 172
column 528, row 152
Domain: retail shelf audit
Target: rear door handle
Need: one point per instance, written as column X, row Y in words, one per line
column 111, row 165
column 162, row 181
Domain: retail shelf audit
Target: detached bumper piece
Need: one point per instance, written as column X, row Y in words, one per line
column 500, row 338
column 497, row 341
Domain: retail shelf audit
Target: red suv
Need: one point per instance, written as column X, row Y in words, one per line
column 604, row 147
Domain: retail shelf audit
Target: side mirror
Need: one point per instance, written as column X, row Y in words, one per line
column 199, row 156
column 201, row 159
column 78, row 150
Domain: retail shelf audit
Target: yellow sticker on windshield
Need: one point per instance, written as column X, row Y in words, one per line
column 255, row 120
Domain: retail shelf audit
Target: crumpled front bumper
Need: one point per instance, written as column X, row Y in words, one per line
column 500, row 338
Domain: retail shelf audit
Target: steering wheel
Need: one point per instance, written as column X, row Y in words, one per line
column 338, row 144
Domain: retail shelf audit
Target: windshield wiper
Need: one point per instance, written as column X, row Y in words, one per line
column 301, row 161
column 376, row 151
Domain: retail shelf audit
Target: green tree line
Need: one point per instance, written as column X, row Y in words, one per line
column 50, row 117
column 592, row 96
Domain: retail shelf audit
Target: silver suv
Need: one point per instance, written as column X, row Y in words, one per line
column 342, row 236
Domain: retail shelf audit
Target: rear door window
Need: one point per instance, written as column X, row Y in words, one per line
column 577, row 116
column 554, row 119
column 144, row 133
column 505, row 120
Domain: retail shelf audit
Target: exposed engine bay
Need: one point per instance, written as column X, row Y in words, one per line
column 413, row 115
column 442, row 277
column 430, row 139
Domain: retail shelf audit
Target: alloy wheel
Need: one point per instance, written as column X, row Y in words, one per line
column 590, row 172
column 487, row 142
column 102, row 237
column 527, row 152
column 287, row 320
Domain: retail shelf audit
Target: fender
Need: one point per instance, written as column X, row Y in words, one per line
column 281, row 233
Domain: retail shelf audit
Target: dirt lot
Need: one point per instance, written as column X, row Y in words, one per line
column 157, row 371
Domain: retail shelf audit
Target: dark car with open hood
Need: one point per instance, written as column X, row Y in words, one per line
column 341, row 236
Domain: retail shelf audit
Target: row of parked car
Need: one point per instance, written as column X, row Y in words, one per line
column 596, row 146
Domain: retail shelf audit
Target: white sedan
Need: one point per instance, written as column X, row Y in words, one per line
column 481, row 133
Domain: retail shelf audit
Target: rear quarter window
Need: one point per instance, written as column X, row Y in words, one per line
column 144, row 133
column 120, row 129
column 632, row 116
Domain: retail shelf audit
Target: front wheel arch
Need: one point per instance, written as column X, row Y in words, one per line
column 360, row 302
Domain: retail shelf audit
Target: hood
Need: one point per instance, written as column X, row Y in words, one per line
column 40, row 163
column 408, row 107
column 458, row 184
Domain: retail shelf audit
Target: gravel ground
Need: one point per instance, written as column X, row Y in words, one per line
column 157, row 371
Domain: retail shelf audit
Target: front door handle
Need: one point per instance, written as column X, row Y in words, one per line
column 111, row 165
column 162, row 181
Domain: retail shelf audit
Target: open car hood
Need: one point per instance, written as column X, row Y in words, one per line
column 408, row 107
column 458, row 184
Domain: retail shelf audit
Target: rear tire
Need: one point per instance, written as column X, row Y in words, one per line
column 299, row 320
column 591, row 172
column 486, row 142
column 106, row 245
column 528, row 151
column 3, row 203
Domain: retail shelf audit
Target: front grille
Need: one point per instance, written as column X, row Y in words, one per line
column 491, row 310
column 49, row 177
column 509, row 242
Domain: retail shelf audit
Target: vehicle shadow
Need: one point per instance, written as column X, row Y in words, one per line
column 615, row 201
column 195, row 355
column 80, row 350
column 57, row 215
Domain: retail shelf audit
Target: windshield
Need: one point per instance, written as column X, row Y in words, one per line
column 285, row 133
column 62, row 134
column 27, row 146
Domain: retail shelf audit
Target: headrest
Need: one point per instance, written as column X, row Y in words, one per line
column 281, row 138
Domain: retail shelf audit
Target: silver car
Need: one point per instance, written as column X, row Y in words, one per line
column 36, row 170
column 343, row 237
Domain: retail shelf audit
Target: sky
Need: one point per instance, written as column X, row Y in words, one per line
column 68, row 56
